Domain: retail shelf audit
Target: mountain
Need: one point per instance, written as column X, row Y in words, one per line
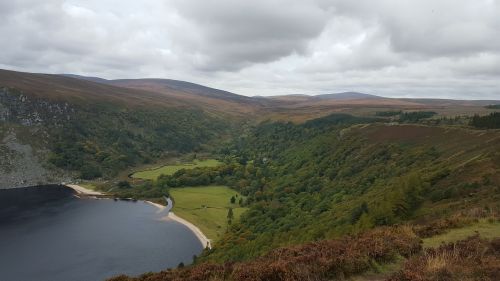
column 346, row 96
column 64, row 88
column 54, row 128
column 194, row 94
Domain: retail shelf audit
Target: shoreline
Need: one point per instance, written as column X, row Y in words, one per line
column 205, row 242
column 82, row 190
column 197, row 232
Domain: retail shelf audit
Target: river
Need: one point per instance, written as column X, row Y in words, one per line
column 47, row 234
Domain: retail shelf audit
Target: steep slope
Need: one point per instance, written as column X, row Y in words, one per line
column 55, row 128
column 342, row 176
column 62, row 88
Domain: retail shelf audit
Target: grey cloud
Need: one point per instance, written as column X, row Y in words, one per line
column 238, row 33
column 447, row 48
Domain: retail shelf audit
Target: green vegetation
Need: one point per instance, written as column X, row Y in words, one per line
column 207, row 207
column 153, row 174
column 388, row 113
column 493, row 106
column 102, row 141
column 330, row 177
column 491, row 121
column 486, row 229
column 415, row 116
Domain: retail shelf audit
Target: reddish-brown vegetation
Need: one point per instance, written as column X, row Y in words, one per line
column 470, row 259
column 323, row 260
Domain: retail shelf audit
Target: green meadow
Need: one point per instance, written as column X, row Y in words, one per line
column 206, row 207
column 153, row 174
column 484, row 228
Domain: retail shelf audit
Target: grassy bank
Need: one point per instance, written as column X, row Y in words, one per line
column 485, row 228
column 153, row 174
column 206, row 207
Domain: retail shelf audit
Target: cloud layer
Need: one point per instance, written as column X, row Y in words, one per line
column 447, row 48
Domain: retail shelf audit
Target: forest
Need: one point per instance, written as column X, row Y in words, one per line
column 99, row 142
column 313, row 188
column 491, row 121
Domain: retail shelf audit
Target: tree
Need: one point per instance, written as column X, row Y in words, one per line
column 233, row 200
column 124, row 184
column 230, row 215
column 357, row 212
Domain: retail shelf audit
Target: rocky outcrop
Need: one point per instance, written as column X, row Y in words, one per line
column 16, row 107
column 23, row 139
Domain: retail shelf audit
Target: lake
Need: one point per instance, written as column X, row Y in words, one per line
column 47, row 234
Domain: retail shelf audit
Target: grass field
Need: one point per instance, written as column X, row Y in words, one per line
column 153, row 174
column 206, row 207
column 488, row 230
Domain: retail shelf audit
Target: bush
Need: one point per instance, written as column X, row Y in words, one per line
column 89, row 172
column 124, row 184
column 470, row 259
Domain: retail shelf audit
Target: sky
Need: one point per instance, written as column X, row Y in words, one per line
column 393, row 48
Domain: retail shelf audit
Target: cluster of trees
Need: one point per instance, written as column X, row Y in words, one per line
column 493, row 106
column 406, row 117
column 491, row 121
column 313, row 181
column 388, row 113
column 102, row 140
column 415, row 116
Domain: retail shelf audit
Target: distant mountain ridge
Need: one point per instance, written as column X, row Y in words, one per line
column 347, row 96
column 175, row 85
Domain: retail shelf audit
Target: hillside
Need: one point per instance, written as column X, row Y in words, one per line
column 346, row 96
column 318, row 190
column 194, row 94
column 55, row 128
column 351, row 182
column 91, row 127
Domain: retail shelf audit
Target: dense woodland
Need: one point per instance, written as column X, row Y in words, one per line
column 103, row 141
column 328, row 177
column 326, row 198
column 491, row 121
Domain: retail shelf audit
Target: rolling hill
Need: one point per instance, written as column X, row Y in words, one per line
column 190, row 93
column 60, row 128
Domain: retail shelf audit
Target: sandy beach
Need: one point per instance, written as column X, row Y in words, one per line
column 171, row 216
column 83, row 190
column 203, row 239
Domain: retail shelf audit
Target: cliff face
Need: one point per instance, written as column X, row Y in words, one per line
column 24, row 130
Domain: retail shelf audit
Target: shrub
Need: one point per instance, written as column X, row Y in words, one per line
column 470, row 259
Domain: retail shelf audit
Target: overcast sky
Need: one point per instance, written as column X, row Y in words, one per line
column 411, row 48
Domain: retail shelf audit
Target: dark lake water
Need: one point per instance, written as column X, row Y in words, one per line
column 46, row 234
